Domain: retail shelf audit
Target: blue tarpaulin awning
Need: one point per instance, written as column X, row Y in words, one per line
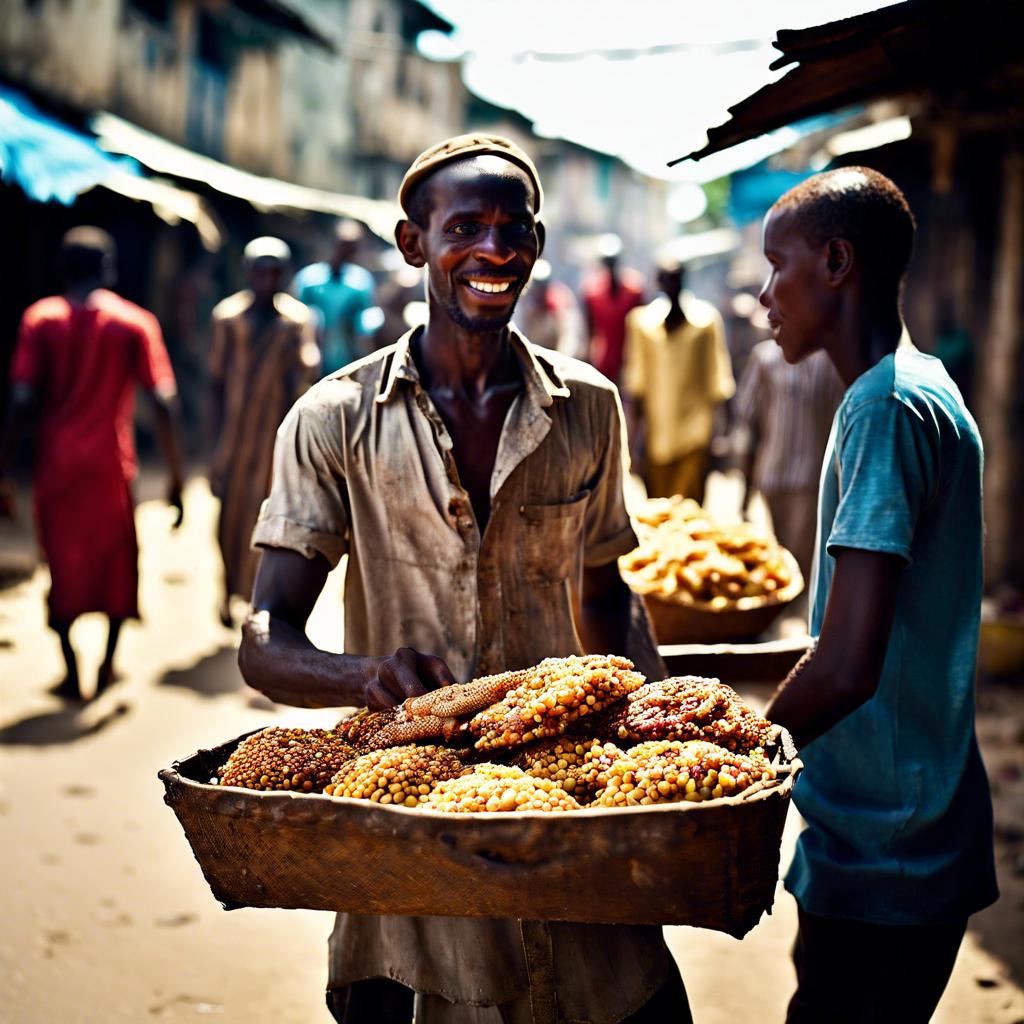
column 48, row 159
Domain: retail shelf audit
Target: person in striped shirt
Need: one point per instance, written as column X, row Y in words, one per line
column 783, row 415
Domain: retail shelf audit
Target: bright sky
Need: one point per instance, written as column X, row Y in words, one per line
column 549, row 60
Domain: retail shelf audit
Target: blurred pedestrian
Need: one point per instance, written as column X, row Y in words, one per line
column 607, row 298
column 784, row 413
column 78, row 360
column 548, row 314
column 677, row 374
column 341, row 292
column 263, row 356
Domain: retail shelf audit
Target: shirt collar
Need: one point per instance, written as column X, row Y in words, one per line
column 543, row 382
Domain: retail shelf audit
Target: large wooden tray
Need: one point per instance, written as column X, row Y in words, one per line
column 714, row 865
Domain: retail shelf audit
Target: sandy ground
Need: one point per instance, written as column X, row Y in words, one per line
column 107, row 917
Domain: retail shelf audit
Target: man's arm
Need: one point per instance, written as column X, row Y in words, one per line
column 844, row 671
column 19, row 414
column 613, row 620
column 164, row 409
column 277, row 658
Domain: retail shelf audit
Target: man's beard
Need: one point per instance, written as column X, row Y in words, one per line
column 476, row 324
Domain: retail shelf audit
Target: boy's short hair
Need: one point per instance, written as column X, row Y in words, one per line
column 862, row 206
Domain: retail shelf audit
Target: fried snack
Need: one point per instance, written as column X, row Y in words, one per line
column 303, row 760
column 463, row 698
column 548, row 697
column 687, row 708
column 667, row 771
column 499, row 787
column 578, row 766
column 368, row 730
column 398, row 775
column 687, row 557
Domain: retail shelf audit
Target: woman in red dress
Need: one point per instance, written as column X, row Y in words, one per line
column 77, row 363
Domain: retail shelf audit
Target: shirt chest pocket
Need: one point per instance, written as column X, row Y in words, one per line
column 551, row 539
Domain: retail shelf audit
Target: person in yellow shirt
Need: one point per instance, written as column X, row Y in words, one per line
column 677, row 372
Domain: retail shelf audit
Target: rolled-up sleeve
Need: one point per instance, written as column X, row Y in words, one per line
column 609, row 532
column 307, row 510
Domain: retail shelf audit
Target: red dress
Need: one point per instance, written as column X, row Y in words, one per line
column 84, row 362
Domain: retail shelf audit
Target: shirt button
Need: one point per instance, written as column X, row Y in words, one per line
column 522, row 510
column 465, row 523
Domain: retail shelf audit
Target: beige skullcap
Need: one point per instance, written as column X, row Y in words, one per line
column 267, row 247
column 460, row 147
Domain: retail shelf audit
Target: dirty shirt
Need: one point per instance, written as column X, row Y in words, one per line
column 364, row 467
column 899, row 818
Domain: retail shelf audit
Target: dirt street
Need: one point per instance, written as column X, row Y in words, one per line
column 107, row 917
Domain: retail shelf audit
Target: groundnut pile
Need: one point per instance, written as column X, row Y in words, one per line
column 396, row 775
column 304, row 760
column 666, row 771
column 568, row 733
column 498, row 787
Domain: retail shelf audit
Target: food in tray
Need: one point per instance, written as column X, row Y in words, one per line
column 687, row 708
column 499, row 787
column 568, row 733
column 397, row 775
column 578, row 766
column 546, row 699
column 686, row 556
column 303, row 760
column 667, row 771
column 439, row 714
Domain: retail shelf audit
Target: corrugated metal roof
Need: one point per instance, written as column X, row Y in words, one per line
column 920, row 45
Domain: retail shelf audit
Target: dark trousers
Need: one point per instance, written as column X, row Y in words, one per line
column 382, row 1001
column 849, row 972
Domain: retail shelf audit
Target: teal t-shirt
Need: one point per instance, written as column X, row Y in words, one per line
column 341, row 303
column 897, row 805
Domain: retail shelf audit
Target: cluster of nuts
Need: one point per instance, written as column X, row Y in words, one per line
column 564, row 726
column 667, row 771
column 688, row 708
column 397, row 775
column 498, row 787
column 578, row 766
column 549, row 697
column 303, row 760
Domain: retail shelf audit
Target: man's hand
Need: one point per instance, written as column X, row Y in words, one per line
column 406, row 673
column 174, row 489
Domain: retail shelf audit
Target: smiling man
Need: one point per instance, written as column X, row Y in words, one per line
column 475, row 483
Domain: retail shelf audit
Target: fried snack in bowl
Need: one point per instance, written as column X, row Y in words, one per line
column 687, row 560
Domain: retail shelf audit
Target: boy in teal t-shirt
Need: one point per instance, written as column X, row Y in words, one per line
column 898, row 851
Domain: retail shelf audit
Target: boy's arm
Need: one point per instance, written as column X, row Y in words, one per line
column 842, row 673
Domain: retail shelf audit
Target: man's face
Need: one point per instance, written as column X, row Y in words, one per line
column 265, row 278
column 796, row 295
column 481, row 241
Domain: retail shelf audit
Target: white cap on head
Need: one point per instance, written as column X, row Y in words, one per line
column 609, row 246
column 267, row 247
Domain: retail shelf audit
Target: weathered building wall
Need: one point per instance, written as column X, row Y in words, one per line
column 63, row 49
